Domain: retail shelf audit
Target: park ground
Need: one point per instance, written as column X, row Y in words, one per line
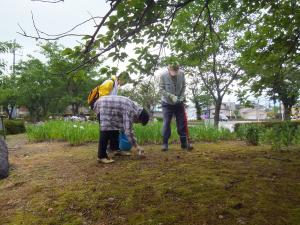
column 217, row 183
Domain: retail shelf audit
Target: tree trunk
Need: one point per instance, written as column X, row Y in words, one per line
column 287, row 110
column 198, row 110
column 75, row 109
column 9, row 112
column 34, row 114
column 218, row 104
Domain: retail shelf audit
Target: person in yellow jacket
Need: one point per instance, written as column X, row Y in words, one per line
column 110, row 87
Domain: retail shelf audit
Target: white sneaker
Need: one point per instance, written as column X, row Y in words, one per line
column 106, row 161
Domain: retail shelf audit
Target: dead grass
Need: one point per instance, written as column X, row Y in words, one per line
column 218, row 183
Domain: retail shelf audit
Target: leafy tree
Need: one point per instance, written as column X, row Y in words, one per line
column 145, row 93
column 126, row 22
column 204, row 34
column 200, row 97
column 270, row 50
column 8, row 94
column 203, row 39
column 8, row 82
column 33, row 87
column 70, row 88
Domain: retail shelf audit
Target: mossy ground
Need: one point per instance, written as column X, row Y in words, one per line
column 217, row 183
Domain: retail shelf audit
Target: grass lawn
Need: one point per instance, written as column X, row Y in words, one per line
column 217, row 183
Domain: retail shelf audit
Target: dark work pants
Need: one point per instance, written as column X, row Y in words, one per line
column 107, row 135
column 168, row 112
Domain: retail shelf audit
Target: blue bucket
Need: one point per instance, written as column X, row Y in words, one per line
column 124, row 144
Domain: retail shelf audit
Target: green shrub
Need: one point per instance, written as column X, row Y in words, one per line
column 252, row 134
column 241, row 131
column 14, row 126
column 296, row 140
column 278, row 134
column 282, row 135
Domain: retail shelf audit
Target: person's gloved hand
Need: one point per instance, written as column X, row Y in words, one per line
column 174, row 98
column 180, row 99
column 140, row 150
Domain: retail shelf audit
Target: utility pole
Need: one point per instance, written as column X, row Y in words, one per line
column 282, row 111
column 14, row 56
column 257, row 114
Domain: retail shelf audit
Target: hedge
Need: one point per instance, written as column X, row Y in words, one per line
column 14, row 126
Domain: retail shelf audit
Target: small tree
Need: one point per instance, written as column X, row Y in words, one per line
column 145, row 93
column 8, row 94
column 33, row 86
column 8, row 82
column 200, row 96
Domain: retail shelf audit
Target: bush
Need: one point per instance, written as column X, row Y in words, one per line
column 14, row 126
column 277, row 134
column 252, row 134
column 241, row 131
column 284, row 134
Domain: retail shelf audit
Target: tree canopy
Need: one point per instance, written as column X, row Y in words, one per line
column 255, row 43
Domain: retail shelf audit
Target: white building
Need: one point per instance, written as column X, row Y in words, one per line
column 256, row 113
column 227, row 109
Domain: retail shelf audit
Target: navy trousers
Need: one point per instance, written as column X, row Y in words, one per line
column 179, row 112
column 111, row 136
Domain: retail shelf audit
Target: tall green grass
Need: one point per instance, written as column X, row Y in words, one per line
column 74, row 132
column 77, row 133
column 280, row 135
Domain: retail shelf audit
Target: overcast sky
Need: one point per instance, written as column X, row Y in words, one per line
column 50, row 18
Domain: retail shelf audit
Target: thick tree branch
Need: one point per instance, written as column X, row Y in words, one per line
column 111, row 46
column 234, row 77
column 208, row 87
column 93, row 37
column 200, row 14
column 149, row 6
column 141, row 24
column 164, row 37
